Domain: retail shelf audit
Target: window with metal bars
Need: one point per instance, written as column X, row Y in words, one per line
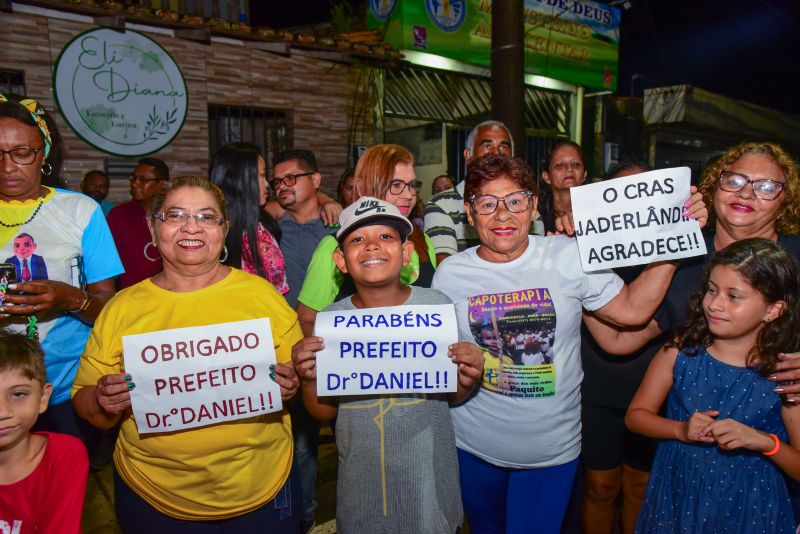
column 12, row 82
column 266, row 128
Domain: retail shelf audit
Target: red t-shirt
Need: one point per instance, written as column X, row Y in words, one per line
column 128, row 224
column 50, row 499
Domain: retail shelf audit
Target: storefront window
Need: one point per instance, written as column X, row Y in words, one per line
column 266, row 128
column 12, row 82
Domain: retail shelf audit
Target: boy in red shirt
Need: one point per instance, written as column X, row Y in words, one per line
column 42, row 474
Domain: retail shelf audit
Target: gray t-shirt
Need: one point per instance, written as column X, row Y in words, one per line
column 298, row 243
column 398, row 471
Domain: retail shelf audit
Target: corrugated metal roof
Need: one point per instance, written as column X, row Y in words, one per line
column 417, row 93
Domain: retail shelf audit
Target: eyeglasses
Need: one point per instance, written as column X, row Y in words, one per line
column 567, row 165
column 180, row 218
column 516, row 202
column 289, row 180
column 396, row 187
column 763, row 188
column 22, row 155
column 139, row 178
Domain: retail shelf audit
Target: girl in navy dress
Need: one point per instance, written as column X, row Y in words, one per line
column 726, row 437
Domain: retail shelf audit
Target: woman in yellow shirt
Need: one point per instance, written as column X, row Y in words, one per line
column 229, row 477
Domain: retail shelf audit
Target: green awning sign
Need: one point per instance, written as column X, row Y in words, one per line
column 568, row 40
column 121, row 92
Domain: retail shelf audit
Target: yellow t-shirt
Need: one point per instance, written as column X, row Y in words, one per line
column 214, row 472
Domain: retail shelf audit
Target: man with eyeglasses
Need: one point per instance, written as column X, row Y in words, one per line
column 128, row 223
column 445, row 216
column 295, row 182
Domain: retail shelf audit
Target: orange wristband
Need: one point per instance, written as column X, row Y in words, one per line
column 776, row 448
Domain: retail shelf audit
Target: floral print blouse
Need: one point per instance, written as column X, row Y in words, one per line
column 271, row 256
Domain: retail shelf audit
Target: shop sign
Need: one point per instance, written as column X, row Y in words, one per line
column 121, row 92
column 575, row 41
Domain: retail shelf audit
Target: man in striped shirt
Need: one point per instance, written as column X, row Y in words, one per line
column 445, row 217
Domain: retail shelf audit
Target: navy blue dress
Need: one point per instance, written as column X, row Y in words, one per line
column 699, row 487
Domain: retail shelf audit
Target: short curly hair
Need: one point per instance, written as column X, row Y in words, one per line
column 493, row 166
column 788, row 221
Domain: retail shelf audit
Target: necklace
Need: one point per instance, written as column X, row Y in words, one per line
column 33, row 215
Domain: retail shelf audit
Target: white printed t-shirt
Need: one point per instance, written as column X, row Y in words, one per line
column 524, row 416
column 72, row 245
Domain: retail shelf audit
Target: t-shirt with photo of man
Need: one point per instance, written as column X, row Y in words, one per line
column 29, row 266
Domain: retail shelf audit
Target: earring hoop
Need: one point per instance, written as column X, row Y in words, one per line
column 49, row 170
column 225, row 257
column 149, row 244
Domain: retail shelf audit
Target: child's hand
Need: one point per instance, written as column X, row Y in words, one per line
column 113, row 393
column 284, row 375
column 697, row 427
column 469, row 358
column 304, row 357
column 731, row 434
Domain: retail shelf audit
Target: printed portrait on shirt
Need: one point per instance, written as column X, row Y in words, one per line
column 29, row 265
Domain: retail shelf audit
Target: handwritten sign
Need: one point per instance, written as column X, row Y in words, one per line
column 121, row 92
column 191, row 377
column 399, row 349
column 635, row 220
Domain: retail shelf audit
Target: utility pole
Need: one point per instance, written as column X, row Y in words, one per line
column 508, row 69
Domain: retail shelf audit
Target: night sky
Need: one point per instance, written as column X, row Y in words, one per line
column 746, row 49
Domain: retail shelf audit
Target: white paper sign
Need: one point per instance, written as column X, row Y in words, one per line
column 398, row 349
column 635, row 220
column 198, row 376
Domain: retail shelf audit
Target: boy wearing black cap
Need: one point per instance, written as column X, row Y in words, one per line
column 398, row 470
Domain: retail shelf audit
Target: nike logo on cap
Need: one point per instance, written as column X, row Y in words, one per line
column 368, row 206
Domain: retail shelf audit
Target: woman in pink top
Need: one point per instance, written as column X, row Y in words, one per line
column 240, row 171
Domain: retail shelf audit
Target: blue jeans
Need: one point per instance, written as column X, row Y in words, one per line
column 501, row 500
column 305, row 430
column 135, row 515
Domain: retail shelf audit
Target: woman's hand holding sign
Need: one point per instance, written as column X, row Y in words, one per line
column 469, row 359
column 284, row 375
column 694, row 208
column 108, row 401
column 114, row 393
